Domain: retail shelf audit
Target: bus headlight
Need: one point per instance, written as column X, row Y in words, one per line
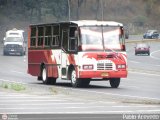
column 87, row 67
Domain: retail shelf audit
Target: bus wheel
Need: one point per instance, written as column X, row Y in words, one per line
column 74, row 81
column 44, row 76
column 114, row 82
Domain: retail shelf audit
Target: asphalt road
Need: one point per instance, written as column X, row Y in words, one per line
column 142, row 85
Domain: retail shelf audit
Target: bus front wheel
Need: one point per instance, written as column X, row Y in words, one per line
column 74, row 81
column 114, row 82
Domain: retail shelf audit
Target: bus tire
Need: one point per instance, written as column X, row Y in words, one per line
column 74, row 81
column 45, row 78
column 114, row 82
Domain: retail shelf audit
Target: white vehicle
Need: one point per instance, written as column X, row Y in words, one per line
column 14, row 33
column 14, row 42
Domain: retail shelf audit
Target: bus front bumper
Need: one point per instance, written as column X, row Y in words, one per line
column 103, row 74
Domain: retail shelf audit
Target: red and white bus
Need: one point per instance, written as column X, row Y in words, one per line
column 79, row 51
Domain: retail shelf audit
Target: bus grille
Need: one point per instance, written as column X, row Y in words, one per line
column 104, row 66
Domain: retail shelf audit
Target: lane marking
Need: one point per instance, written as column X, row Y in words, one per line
column 3, row 97
column 144, row 73
column 68, row 107
column 133, row 61
column 87, row 112
column 41, row 104
column 18, row 72
column 129, row 106
column 143, row 63
column 78, row 103
column 129, row 86
column 105, row 92
column 27, row 100
column 113, row 94
column 151, row 55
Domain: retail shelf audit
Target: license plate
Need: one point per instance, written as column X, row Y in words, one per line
column 104, row 74
column 12, row 50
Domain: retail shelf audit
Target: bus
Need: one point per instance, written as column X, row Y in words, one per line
column 79, row 51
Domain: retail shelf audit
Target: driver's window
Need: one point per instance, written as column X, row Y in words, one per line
column 72, row 39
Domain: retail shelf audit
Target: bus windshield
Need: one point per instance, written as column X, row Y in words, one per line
column 14, row 39
column 100, row 38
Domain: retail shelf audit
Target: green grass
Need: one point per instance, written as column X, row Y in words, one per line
column 13, row 86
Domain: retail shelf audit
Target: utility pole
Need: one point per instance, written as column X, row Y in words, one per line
column 69, row 11
column 102, row 10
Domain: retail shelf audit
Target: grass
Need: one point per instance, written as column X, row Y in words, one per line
column 13, row 86
column 53, row 90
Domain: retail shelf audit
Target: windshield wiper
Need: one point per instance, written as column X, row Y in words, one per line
column 115, row 54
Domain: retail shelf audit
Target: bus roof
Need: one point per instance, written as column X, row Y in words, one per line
column 85, row 23
column 95, row 22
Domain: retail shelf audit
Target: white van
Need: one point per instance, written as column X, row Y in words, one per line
column 14, row 42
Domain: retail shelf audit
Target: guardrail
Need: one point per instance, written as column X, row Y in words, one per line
column 143, row 40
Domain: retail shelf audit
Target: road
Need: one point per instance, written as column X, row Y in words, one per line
column 141, row 85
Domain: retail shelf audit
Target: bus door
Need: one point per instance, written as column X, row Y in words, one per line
column 64, row 53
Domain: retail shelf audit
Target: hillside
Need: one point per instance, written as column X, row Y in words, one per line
column 138, row 15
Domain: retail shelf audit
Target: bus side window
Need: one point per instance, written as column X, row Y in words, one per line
column 40, row 36
column 33, row 37
column 48, row 36
column 55, row 40
column 55, row 36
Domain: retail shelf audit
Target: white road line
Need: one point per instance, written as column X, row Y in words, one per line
column 133, row 61
column 139, row 97
column 136, row 106
column 151, row 55
column 120, row 95
column 129, row 86
column 41, row 104
column 44, row 107
column 150, row 74
column 144, row 63
column 88, row 112
column 78, row 103
column 18, row 72
column 4, row 101
column 28, row 97
column 69, row 112
column 62, row 103
column 67, row 107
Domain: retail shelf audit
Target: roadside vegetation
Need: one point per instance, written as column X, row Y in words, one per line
column 138, row 15
column 13, row 86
